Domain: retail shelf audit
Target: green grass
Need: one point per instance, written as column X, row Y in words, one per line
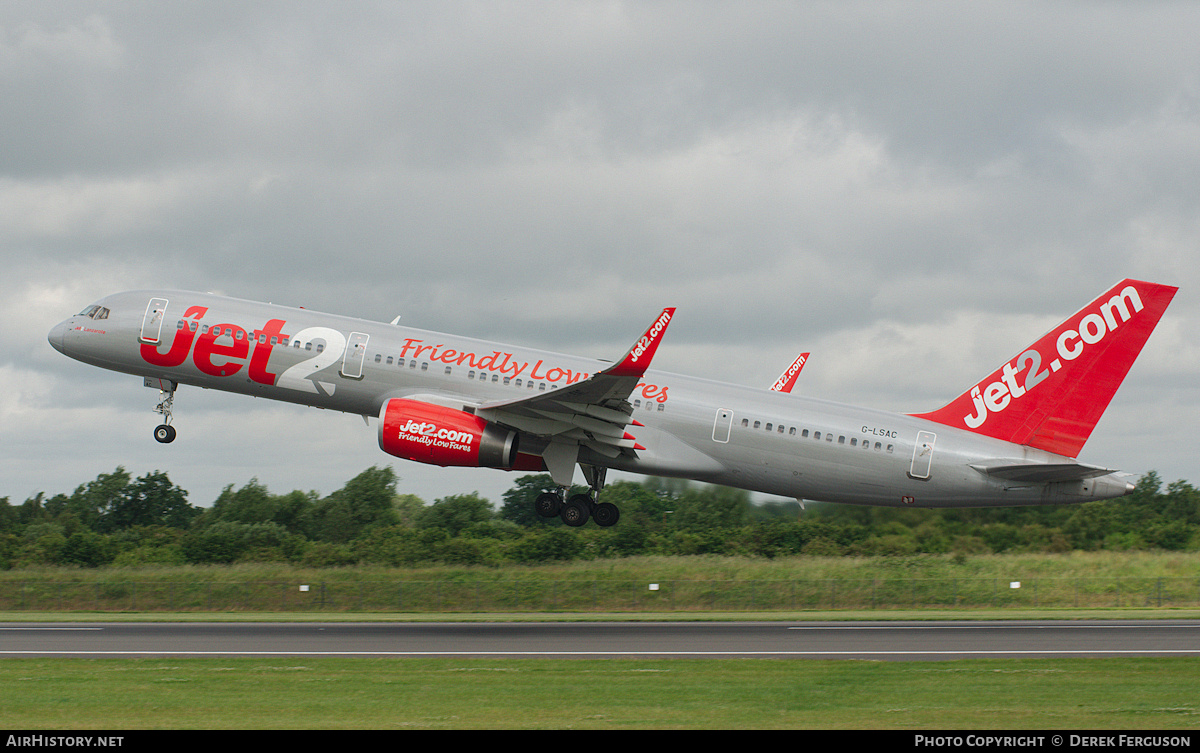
column 360, row 693
column 701, row 567
column 1084, row 580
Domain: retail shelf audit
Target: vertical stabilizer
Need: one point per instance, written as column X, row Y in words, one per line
column 1052, row 395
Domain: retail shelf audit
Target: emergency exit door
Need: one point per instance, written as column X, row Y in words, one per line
column 922, row 461
column 721, row 425
column 156, row 311
column 356, row 352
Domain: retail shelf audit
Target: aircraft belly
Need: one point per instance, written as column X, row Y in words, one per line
column 667, row 455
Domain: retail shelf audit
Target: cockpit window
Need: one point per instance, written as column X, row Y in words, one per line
column 95, row 312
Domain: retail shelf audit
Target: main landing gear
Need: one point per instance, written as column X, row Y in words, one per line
column 164, row 432
column 575, row 510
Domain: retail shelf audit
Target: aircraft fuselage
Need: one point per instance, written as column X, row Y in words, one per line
column 683, row 426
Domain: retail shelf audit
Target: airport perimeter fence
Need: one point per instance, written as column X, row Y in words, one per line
column 597, row 595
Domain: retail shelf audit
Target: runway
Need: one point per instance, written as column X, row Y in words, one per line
column 894, row 641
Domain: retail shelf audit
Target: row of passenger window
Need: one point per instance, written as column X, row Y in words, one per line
column 485, row 376
column 480, row 375
column 238, row 333
column 816, row 435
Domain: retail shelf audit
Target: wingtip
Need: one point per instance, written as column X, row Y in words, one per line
column 637, row 360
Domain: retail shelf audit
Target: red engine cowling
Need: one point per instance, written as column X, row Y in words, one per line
column 429, row 433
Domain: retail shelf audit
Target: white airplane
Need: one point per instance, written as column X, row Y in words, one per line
column 1010, row 439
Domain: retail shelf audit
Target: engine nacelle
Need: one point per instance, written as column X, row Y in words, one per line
column 434, row 434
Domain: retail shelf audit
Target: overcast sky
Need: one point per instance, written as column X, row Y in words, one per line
column 911, row 191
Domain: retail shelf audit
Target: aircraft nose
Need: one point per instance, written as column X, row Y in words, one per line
column 57, row 335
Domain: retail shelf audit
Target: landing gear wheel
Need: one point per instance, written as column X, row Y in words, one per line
column 606, row 514
column 576, row 511
column 164, row 433
column 548, row 504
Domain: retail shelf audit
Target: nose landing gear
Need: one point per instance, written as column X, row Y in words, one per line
column 164, row 432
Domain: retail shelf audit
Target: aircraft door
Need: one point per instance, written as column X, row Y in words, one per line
column 156, row 311
column 356, row 352
column 722, row 424
column 922, row 461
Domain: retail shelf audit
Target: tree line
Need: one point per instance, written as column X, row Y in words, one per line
column 117, row 520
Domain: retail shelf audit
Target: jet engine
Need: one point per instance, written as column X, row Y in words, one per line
column 434, row 434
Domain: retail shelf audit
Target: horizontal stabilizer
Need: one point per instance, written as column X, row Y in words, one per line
column 1043, row 473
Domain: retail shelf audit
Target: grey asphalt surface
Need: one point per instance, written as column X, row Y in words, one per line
column 899, row 641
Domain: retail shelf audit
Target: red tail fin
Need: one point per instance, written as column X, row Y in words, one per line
column 1052, row 394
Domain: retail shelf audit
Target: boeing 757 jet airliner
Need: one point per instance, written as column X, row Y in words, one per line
column 1010, row 439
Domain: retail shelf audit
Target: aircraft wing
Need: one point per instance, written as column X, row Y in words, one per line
column 1043, row 473
column 593, row 413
